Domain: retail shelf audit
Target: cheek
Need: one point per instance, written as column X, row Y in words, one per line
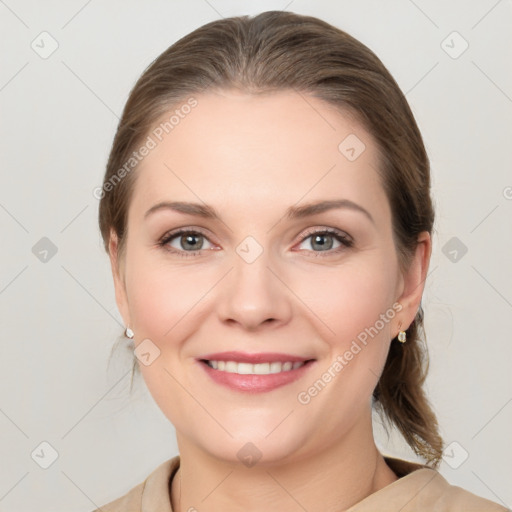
column 162, row 296
column 354, row 307
column 350, row 298
column 161, row 299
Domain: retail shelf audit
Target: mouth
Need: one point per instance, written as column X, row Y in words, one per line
column 254, row 372
column 254, row 369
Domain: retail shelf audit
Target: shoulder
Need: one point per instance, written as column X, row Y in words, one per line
column 438, row 494
column 452, row 497
column 152, row 494
column 131, row 500
column 421, row 489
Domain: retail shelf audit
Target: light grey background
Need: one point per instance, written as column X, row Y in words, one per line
column 58, row 317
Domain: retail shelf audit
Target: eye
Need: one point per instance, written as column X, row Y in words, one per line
column 189, row 242
column 186, row 242
column 323, row 241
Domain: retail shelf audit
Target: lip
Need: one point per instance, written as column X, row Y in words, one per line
column 254, row 383
column 262, row 357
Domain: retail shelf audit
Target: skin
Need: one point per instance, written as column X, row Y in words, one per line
column 251, row 157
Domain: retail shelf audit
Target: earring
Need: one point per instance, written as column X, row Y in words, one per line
column 129, row 333
column 402, row 337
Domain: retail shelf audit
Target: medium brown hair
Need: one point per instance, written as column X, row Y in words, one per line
column 277, row 51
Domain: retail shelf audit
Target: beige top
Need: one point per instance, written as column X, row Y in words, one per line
column 418, row 489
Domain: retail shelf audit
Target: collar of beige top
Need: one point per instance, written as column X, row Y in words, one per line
column 418, row 489
column 156, row 491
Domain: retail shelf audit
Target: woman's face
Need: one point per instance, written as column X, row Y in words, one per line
column 256, row 285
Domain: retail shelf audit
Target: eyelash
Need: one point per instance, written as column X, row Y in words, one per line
column 338, row 235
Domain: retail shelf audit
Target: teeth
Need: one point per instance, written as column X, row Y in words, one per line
column 243, row 368
column 275, row 367
column 254, row 369
column 231, row 367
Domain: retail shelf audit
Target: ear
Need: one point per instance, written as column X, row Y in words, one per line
column 414, row 282
column 117, row 274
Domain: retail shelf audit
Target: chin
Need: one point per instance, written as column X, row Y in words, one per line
column 251, row 450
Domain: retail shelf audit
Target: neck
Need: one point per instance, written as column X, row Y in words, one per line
column 331, row 480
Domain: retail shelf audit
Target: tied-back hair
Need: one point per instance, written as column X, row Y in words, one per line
column 279, row 51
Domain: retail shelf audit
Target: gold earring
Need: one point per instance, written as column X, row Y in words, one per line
column 402, row 337
column 129, row 333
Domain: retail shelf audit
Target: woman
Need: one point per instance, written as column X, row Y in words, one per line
column 266, row 209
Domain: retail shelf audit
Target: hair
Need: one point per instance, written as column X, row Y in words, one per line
column 279, row 51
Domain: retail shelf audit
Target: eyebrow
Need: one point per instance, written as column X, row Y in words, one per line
column 293, row 212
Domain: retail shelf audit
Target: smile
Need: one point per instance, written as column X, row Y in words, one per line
column 255, row 369
column 254, row 373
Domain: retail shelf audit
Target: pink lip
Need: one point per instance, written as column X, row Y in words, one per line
column 254, row 383
column 244, row 357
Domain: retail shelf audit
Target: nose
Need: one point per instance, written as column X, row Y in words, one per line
column 254, row 294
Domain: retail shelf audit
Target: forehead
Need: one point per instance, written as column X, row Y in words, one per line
column 247, row 150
